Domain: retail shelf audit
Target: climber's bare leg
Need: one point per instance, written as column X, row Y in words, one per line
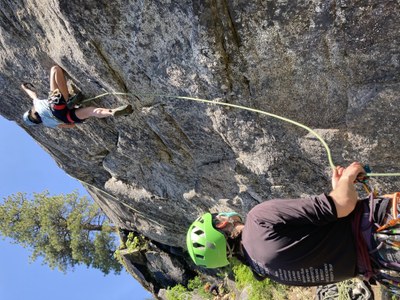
column 97, row 112
column 58, row 81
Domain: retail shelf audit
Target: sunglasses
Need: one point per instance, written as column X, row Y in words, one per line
column 219, row 225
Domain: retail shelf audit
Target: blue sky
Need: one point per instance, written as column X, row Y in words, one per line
column 26, row 167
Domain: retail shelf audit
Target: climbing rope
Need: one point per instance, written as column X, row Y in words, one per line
column 327, row 149
column 391, row 285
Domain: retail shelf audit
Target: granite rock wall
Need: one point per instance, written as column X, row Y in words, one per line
column 332, row 65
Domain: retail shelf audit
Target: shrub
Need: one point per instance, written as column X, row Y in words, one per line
column 178, row 292
column 258, row 290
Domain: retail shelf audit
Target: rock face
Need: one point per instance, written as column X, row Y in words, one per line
column 333, row 65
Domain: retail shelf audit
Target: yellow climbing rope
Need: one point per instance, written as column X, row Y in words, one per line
column 327, row 149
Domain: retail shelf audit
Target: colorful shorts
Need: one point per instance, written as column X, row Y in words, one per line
column 61, row 111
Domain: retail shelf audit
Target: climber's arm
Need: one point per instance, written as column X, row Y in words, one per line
column 27, row 90
column 66, row 126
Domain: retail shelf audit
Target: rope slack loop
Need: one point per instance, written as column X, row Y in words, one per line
column 327, row 149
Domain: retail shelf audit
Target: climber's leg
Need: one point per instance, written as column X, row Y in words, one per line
column 58, row 81
column 97, row 112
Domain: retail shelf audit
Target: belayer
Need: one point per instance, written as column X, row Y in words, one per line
column 312, row 241
column 57, row 111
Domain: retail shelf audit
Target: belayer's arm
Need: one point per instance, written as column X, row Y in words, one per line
column 344, row 193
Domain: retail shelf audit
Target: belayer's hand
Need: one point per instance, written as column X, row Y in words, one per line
column 344, row 194
column 353, row 171
column 336, row 174
column 350, row 173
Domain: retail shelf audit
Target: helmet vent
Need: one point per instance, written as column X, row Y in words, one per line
column 198, row 231
column 197, row 245
column 200, row 256
column 210, row 245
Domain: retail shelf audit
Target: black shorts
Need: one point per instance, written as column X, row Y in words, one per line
column 63, row 113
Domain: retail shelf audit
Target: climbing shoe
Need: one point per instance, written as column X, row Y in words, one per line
column 122, row 110
column 29, row 86
column 75, row 100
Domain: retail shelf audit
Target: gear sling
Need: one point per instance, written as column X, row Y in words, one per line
column 378, row 246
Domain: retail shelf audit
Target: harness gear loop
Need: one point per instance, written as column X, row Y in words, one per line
column 55, row 97
column 57, row 102
column 395, row 211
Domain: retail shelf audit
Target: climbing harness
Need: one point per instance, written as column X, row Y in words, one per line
column 327, row 149
column 58, row 106
column 378, row 246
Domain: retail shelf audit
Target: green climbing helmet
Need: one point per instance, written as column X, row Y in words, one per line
column 206, row 245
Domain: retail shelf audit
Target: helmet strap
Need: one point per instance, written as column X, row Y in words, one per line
column 230, row 251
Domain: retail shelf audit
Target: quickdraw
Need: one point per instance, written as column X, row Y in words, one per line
column 395, row 212
column 383, row 262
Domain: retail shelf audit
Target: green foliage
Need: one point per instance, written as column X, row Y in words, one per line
column 244, row 279
column 258, row 290
column 132, row 244
column 178, row 292
column 135, row 242
column 64, row 230
column 195, row 283
column 194, row 287
column 103, row 257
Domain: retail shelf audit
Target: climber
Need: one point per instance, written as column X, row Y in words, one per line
column 54, row 111
column 304, row 242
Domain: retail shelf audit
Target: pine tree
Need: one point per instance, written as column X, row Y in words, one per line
column 65, row 230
